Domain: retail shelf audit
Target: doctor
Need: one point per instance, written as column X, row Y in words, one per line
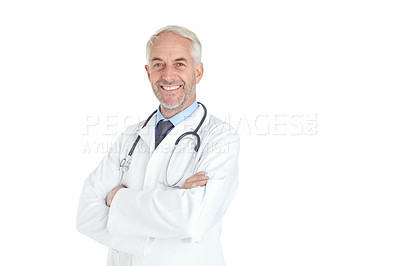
column 139, row 215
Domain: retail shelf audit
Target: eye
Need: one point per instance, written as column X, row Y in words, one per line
column 180, row 64
column 157, row 65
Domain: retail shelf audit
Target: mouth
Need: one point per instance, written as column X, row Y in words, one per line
column 171, row 88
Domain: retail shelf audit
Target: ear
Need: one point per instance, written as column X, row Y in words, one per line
column 148, row 71
column 199, row 72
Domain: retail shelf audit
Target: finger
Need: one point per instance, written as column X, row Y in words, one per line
column 202, row 173
column 199, row 184
column 197, row 178
column 202, row 183
column 197, row 175
column 189, row 185
column 196, row 184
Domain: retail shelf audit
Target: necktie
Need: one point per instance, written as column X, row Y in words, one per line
column 162, row 128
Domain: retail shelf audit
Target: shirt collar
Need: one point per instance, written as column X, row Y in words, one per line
column 179, row 117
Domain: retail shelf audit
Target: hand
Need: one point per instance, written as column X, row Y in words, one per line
column 112, row 193
column 198, row 179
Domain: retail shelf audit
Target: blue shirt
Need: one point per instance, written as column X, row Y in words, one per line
column 179, row 117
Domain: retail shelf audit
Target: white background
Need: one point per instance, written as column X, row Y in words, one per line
column 326, row 198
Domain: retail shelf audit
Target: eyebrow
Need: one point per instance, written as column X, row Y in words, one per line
column 181, row 59
column 178, row 59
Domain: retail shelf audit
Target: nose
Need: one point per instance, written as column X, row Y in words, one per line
column 168, row 74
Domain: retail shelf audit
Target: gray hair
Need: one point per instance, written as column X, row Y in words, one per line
column 183, row 32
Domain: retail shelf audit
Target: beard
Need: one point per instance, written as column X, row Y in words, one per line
column 188, row 89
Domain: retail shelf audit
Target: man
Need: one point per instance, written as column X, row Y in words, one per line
column 167, row 208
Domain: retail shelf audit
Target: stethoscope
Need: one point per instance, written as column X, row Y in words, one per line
column 126, row 162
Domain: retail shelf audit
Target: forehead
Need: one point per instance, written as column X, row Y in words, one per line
column 169, row 45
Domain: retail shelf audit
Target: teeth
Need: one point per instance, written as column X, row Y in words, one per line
column 170, row 88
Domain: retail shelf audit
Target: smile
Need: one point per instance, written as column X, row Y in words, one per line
column 171, row 88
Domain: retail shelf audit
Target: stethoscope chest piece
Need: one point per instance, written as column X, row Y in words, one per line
column 125, row 163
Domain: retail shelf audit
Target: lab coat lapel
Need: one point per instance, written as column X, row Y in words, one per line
column 148, row 134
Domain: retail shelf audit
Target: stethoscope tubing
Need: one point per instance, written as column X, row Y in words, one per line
column 125, row 163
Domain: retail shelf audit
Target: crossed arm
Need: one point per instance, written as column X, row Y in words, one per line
column 198, row 179
column 136, row 216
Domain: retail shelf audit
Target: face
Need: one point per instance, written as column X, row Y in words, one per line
column 172, row 73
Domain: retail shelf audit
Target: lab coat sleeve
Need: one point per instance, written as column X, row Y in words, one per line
column 182, row 213
column 93, row 212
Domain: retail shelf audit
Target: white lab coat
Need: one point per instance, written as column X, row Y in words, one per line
column 150, row 224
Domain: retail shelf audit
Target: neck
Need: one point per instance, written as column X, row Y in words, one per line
column 168, row 113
